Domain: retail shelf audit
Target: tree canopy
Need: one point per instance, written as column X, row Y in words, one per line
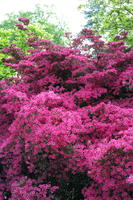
column 44, row 18
column 18, row 37
column 41, row 25
column 110, row 17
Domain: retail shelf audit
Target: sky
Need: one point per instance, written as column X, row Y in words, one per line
column 65, row 9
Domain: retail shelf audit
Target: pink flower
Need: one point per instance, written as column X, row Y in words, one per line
column 20, row 26
column 130, row 179
column 24, row 20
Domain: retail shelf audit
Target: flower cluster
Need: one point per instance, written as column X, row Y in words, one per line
column 24, row 20
column 20, row 26
column 66, row 120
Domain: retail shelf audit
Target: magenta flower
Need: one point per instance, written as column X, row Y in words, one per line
column 66, row 120
column 130, row 179
column 24, row 20
column 20, row 26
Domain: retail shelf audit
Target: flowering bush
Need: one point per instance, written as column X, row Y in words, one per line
column 66, row 121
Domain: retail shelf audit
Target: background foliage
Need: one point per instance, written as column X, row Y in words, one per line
column 40, row 25
column 109, row 17
column 41, row 16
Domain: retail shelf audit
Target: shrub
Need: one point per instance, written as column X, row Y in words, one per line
column 66, row 121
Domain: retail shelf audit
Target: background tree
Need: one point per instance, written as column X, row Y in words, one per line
column 110, row 17
column 41, row 16
column 18, row 37
column 90, row 9
column 40, row 24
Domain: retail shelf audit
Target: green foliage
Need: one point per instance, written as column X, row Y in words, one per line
column 40, row 25
column 44, row 18
column 110, row 17
column 6, row 71
column 17, row 36
column 117, row 19
column 5, row 36
column 90, row 10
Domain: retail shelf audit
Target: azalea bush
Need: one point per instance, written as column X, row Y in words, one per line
column 66, row 120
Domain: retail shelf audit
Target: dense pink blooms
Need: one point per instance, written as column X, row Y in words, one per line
column 20, row 26
column 24, row 20
column 68, row 115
